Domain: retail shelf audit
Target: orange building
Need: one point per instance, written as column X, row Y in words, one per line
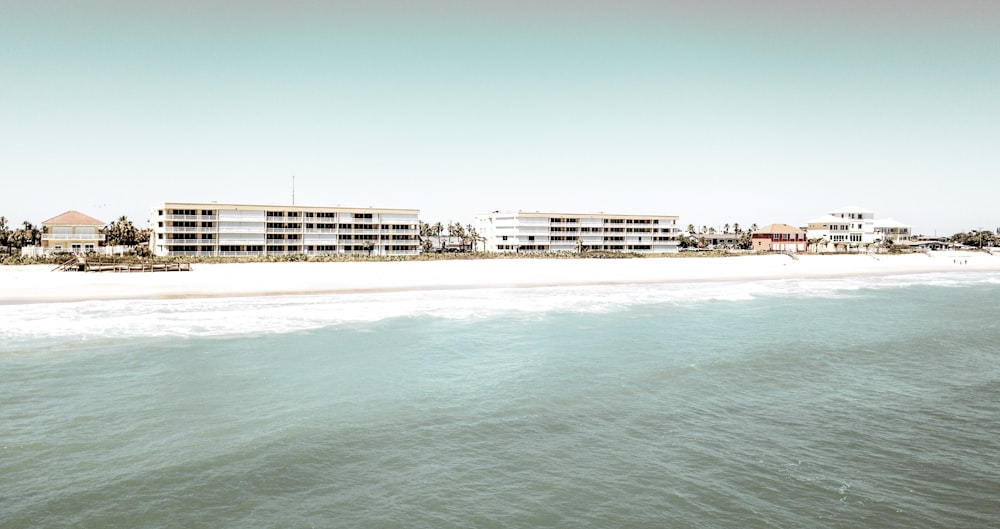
column 779, row 238
column 72, row 232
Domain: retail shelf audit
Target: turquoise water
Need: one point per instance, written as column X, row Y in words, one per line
column 835, row 403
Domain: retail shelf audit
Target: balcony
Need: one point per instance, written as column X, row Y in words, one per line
column 188, row 229
column 72, row 237
column 191, row 217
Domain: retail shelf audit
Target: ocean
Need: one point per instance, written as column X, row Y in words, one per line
column 840, row 403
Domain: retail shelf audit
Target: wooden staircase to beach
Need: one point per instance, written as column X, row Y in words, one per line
column 112, row 264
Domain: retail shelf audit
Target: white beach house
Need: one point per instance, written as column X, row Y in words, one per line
column 853, row 227
column 850, row 225
column 231, row 230
column 892, row 230
column 522, row 231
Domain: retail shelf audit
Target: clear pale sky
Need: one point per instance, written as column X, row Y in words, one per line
column 730, row 111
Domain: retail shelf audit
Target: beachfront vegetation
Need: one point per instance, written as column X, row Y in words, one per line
column 433, row 237
column 15, row 239
column 697, row 238
column 123, row 233
column 977, row 238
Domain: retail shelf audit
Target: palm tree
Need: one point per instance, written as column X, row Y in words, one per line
column 725, row 229
column 424, row 233
column 4, row 231
column 32, row 237
column 15, row 240
column 691, row 229
column 455, row 230
column 438, row 229
column 473, row 236
column 121, row 232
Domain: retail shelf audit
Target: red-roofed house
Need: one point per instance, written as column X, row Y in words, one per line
column 72, row 232
column 779, row 238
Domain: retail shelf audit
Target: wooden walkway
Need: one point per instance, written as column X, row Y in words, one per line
column 100, row 264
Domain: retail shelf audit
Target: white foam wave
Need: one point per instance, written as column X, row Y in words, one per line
column 279, row 314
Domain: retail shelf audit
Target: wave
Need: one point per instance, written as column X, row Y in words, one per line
column 283, row 314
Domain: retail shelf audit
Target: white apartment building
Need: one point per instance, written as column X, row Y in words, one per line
column 574, row 232
column 233, row 230
column 851, row 225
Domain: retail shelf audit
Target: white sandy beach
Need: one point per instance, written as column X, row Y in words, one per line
column 40, row 284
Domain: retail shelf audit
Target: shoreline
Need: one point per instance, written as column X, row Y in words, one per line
column 39, row 284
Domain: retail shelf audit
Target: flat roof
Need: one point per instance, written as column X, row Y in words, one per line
column 560, row 214
column 852, row 209
column 296, row 207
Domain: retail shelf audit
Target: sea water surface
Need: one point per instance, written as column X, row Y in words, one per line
column 815, row 403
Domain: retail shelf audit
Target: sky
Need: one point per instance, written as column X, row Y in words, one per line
column 766, row 111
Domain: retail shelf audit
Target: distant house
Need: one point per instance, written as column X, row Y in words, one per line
column 72, row 232
column 930, row 242
column 778, row 238
column 851, row 225
column 716, row 240
column 892, row 230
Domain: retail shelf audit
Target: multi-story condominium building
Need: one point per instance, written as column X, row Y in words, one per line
column 231, row 230
column 71, row 232
column 851, row 225
column 892, row 230
column 778, row 238
column 577, row 232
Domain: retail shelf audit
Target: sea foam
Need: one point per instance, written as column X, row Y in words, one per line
column 282, row 314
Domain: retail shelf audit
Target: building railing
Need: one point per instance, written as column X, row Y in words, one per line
column 191, row 217
column 72, row 237
column 413, row 251
column 188, row 229
column 230, row 229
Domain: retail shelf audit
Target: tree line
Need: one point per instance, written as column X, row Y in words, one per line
column 977, row 238
column 696, row 237
column 440, row 234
